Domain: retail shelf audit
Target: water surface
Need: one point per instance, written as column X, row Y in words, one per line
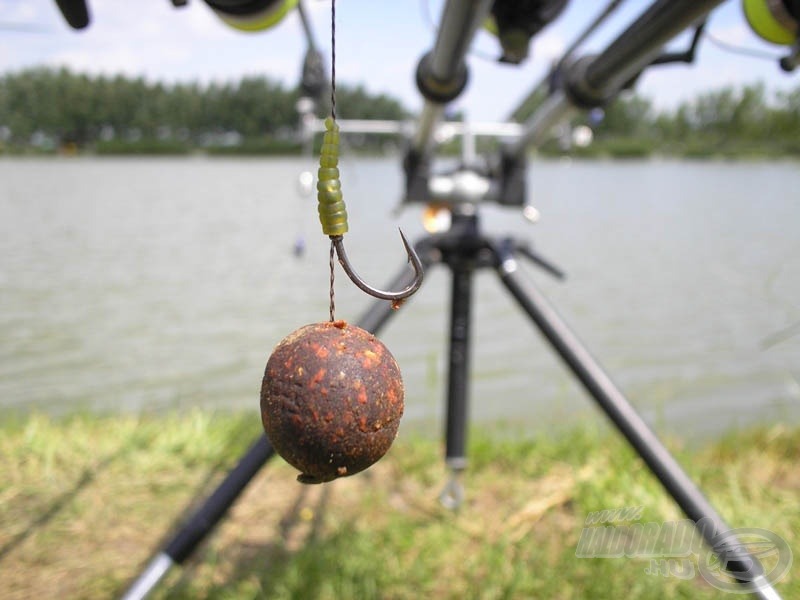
column 150, row 284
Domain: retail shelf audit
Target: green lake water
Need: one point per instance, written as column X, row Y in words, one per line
column 163, row 284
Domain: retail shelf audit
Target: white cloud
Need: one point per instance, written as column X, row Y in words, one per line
column 23, row 13
column 203, row 23
column 111, row 62
column 549, row 46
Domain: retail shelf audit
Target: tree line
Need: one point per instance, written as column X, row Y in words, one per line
column 44, row 107
column 61, row 107
column 725, row 122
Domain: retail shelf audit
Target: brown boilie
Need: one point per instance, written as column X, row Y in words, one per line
column 331, row 400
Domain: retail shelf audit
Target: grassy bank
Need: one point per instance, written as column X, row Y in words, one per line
column 84, row 501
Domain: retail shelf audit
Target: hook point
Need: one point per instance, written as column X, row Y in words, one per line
column 409, row 249
column 413, row 258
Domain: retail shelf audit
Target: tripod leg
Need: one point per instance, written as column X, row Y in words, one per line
column 214, row 508
column 457, row 383
column 745, row 567
column 203, row 521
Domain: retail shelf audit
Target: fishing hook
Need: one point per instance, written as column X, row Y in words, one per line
column 338, row 243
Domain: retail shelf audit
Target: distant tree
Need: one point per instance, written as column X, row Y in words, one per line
column 626, row 117
column 68, row 107
column 750, row 113
column 783, row 120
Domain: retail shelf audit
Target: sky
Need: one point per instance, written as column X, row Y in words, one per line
column 378, row 45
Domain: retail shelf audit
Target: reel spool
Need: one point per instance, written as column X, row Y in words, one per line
column 516, row 22
column 776, row 21
column 251, row 15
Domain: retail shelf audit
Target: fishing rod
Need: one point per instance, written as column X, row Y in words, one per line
column 522, row 112
column 594, row 80
column 591, row 81
column 588, row 82
column 441, row 77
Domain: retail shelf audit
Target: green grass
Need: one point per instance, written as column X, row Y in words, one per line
column 85, row 500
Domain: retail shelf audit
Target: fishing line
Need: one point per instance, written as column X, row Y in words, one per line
column 332, row 293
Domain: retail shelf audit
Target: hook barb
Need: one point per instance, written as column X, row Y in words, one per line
column 338, row 243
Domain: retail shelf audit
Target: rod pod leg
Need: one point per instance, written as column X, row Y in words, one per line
column 452, row 495
column 617, row 407
column 183, row 544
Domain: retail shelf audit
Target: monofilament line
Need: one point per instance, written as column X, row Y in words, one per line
column 333, row 116
column 333, row 59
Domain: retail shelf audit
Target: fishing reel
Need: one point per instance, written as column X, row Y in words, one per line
column 251, row 15
column 244, row 15
column 515, row 22
column 777, row 22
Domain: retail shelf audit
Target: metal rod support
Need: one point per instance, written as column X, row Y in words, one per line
column 544, row 84
column 180, row 547
column 499, row 129
column 594, row 80
column 643, row 40
column 458, row 368
column 617, row 407
column 429, row 118
column 556, row 109
column 309, row 33
column 459, row 21
column 148, row 580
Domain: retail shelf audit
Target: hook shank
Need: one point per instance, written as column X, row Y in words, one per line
column 338, row 243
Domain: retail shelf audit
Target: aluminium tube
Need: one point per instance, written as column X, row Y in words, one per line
column 647, row 445
column 544, row 84
column 594, row 80
column 306, row 26
column 458, row 24
column 200, row 524
column 638, row 45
